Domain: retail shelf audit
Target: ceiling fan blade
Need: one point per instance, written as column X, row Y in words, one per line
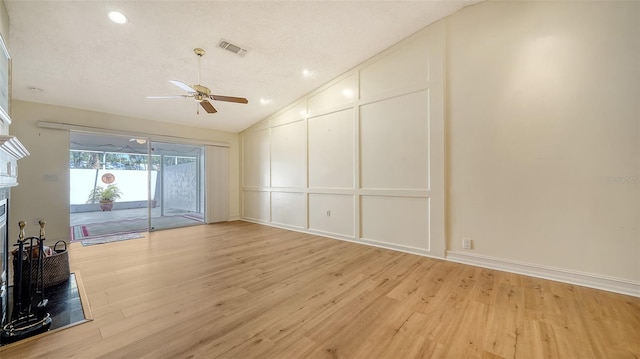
column 208, row 106
column 229, row 99
column 175, row 96
column 183, row 86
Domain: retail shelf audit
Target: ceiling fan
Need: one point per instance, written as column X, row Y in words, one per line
column 201, row 93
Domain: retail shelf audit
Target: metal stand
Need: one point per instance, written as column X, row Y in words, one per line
column 29, row 316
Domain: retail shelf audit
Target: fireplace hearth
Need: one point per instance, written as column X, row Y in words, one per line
column 65, row 305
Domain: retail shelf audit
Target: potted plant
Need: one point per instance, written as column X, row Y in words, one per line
column 105, row 196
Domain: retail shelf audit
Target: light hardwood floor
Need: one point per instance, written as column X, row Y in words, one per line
column 242, row 290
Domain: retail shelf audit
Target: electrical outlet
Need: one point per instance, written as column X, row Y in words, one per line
column 328, row 213
column 467, row 243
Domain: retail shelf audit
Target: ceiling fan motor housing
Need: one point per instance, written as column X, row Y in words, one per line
column 202, row 90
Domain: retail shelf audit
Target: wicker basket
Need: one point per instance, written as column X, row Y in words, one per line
column 55, row 267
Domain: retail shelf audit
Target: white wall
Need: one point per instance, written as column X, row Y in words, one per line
column 4, row 22
column 4, row 31
column 361, row 158
column 133, row 184
column 43, row 190
column 543, row 129
column 542, row 143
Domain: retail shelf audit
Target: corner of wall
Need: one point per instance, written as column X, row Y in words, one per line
column 4, row 22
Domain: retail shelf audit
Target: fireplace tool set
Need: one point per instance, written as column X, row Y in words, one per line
column 29, row 316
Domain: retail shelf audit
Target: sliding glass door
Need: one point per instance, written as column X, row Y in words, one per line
column 177, row 189
column 108, row 192
column 152, row 185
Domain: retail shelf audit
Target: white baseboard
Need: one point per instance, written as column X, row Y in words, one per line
column 616, row 285
column 342, row 237
column 611, row 284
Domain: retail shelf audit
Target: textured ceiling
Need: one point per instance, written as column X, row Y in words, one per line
column 80, row 59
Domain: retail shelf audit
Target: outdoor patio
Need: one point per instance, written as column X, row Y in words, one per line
column 95, row 224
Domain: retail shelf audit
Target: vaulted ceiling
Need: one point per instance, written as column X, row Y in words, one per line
column 69, row 53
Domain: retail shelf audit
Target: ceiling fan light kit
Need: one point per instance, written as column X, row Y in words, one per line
column 200, row 93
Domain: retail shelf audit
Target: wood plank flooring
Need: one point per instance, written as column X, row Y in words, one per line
column 242, row 290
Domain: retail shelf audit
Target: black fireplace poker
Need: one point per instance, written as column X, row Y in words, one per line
column 28, row 316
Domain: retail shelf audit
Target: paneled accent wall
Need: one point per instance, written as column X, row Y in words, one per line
column 361, row 158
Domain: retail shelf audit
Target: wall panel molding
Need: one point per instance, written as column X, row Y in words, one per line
column 391, row 125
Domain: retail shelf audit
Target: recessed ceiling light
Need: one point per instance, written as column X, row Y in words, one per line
column 265, row 101
column 117, row 17
column 307, row 73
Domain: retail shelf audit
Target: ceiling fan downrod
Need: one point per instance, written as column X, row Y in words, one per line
column 200, row 52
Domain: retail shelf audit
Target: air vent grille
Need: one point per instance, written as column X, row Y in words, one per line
column 226, row 45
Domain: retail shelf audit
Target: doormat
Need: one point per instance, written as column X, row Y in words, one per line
column 128, row 226
column 109, row 239
column 68, row 306
column 79, row 232
column 108, row 228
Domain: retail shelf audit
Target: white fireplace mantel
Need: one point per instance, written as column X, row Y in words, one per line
column 11, row 150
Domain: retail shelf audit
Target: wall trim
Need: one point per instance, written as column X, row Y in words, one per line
column 347, row 238
column 610, row 284
column 398, row 247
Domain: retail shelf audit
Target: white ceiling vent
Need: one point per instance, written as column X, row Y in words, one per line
column 224, row 44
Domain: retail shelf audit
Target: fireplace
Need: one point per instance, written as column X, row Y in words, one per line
column 11, row 150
